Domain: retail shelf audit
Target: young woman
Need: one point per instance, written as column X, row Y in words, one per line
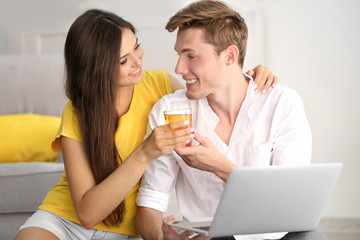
column 102, row 133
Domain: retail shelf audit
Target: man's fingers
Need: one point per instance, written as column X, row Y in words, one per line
column 185, row 235
column 169, row 219
column 203, row 141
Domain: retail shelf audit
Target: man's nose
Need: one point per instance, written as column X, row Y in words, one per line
column 180, row 68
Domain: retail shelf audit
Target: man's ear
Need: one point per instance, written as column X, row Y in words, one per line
column 232, row 53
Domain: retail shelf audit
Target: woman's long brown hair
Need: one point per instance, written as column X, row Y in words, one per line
column 92, row 50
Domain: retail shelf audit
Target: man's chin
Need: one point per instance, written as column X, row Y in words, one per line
column 192, row 96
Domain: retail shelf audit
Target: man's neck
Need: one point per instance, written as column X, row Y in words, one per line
column 226, row 104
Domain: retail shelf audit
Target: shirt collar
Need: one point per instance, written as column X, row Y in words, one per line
column 245, row 115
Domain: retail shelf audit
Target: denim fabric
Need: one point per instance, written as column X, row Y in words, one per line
column 67, row 230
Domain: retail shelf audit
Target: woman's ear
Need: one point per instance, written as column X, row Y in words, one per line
column 232, row 53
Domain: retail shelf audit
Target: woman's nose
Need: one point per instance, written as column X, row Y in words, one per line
column 138, row 57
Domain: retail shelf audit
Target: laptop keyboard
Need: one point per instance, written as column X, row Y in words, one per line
column 205, row 228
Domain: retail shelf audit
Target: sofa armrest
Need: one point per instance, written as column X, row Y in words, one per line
column 23, row 186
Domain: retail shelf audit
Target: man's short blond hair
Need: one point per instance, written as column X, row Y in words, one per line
column 222, row 25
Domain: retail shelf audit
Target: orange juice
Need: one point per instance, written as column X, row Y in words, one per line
column 178, row 116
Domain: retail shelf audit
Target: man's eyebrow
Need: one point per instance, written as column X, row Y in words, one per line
column 185, row 50
column 136, row 43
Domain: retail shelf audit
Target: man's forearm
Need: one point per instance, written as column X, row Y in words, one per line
column 224, row 169
column 149, row 223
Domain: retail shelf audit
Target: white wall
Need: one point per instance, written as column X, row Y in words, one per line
column 312, row 45
column 40, row 26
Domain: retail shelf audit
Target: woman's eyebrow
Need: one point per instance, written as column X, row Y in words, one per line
column 136, row 43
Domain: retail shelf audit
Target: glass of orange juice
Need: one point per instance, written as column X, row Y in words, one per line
column 178, row 116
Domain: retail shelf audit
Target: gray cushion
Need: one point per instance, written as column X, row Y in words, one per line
column 32, row 84
column 23, row 186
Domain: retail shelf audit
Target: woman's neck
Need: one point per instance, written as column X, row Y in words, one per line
column 123, row 100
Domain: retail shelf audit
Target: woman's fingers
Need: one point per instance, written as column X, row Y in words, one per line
column 271, row 81
column 263, row 78
column 167, row 137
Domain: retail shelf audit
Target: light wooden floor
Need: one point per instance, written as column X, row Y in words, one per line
column 341, row 228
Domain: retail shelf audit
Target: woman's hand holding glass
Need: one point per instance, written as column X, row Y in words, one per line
column 164, row 139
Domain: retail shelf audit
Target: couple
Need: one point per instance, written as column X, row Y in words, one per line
column 103, row 126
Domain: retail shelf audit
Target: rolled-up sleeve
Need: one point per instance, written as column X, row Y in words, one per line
column 152, row 199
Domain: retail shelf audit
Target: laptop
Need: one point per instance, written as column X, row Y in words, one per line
column 269, row 200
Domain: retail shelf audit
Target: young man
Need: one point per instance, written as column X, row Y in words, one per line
column 233, row 126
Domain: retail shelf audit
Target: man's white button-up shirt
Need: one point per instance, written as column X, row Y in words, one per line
column 271, row 129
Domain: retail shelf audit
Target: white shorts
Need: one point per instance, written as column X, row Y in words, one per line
column 68, row 230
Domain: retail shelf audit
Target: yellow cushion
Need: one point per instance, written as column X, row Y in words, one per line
column 27, row 138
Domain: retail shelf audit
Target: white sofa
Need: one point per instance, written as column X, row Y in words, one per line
column 28, row 84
